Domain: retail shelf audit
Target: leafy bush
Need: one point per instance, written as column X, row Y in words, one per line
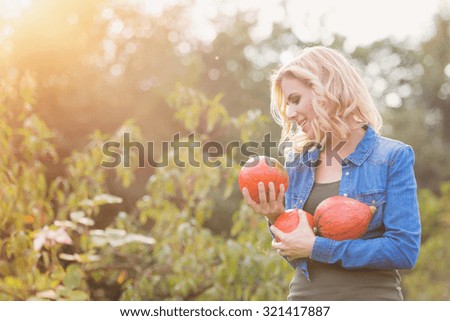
column 51, row 249
column 429, row 279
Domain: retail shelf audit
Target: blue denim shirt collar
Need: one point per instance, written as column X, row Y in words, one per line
column 364, row 147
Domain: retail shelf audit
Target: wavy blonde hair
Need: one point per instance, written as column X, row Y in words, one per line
column 339, row 97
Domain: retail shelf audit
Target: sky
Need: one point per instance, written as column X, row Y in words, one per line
column 366, row 21
column 361, row 22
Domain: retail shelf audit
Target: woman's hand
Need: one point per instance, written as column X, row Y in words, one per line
column 270, row 208
column 296, row 244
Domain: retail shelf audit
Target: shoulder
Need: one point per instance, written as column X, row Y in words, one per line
column 393, row 150
column 389, row 144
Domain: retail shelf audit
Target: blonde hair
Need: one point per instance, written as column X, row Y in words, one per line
column 339, row 95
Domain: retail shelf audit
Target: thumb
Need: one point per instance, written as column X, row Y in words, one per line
column 303, row 220
column 277, row 232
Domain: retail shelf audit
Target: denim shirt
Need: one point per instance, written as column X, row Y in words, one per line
column 378, row 173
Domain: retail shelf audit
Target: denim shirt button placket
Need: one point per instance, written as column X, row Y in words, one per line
column 346, row 166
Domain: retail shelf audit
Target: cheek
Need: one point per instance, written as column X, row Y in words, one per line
column 307, row 109
column 310, row 109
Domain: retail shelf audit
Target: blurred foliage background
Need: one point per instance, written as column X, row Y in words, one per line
column 90, row 71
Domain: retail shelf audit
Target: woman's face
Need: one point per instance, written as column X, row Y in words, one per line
column 297, row 96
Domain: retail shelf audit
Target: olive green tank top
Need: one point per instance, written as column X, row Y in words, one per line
column 319, row 192
column 331, row 282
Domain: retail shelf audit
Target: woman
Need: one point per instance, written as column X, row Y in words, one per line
column 332, row 125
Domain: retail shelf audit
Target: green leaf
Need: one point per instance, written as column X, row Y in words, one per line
column 74, row 276
column 78, row 295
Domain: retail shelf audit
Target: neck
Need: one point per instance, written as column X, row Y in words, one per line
column 343, row 148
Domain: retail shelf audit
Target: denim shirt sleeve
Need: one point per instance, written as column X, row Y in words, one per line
column 398, row 246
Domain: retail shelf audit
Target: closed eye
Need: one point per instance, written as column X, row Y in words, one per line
column 294, row 99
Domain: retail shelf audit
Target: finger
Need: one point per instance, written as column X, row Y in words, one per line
column 278, row 233
column 281, row 194
column 262, row 193
column 302, row 216
column 304, row 224
column 272, row 197
column 279, row 251
column 250, row 202
column 277, row 245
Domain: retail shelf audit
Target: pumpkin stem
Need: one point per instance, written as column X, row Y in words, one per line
column 373, row 209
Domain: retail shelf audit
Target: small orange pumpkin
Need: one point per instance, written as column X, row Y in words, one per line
column 262, row 169
column 289, row 220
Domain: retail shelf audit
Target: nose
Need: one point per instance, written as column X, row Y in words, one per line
column 291, row 113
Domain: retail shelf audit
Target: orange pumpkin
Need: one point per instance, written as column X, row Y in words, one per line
column 341, row 218
column 289, row 220
column 262, row 169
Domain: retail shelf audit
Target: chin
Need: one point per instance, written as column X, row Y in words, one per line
column 309, row 135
